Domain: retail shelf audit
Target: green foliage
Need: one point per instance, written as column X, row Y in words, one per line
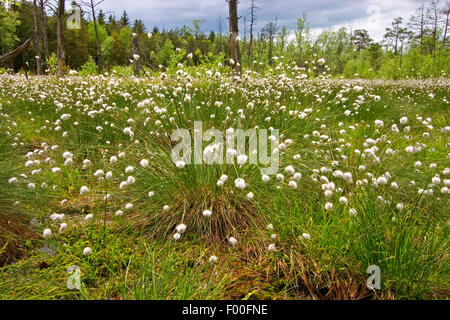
column 89, row 68
column 166, row 277
column 398, row 244
column 402, row 54
column 101, row 31
column 8, row 25
column 117, row 47
column 52, row 64
column 121, row 71
column 165, row 54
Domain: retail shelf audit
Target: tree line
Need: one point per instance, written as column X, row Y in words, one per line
column 415, row 47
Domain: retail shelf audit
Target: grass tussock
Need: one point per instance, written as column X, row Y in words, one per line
column 87, row 180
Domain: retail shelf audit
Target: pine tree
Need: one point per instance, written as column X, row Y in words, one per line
column 124, row 19
column 101, row 18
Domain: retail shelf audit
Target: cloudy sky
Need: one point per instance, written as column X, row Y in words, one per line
column 373, row 15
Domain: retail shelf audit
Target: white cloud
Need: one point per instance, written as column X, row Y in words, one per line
column 372, row 15
column 379, row 16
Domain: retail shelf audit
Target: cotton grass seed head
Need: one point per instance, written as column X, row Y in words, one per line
column 87, row 251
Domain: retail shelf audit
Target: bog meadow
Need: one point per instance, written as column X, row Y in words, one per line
column 258, row 161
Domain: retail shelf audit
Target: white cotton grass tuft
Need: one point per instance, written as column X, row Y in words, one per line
column 87, row 251
column 129, row 206
column 62, row 227
column 233, row 241
column 240, row 183
column 177, row 236
column 129, row 169
column 379, row 123
column 436, row 180
column 223, row 178
column 99, row 173
column 289, row 170
column 213, row 259
column 242, row 159
column 297, row 176
column 180, row 164
column 119, row 213
column 68, row 162
column 12, row 180
column 382, row 181
column 67, row 155
column 343, row 200
column 123, row 185
column 56, row 170
column 207, row 213
column 57, row 217
column 181, row 228
column 84, row 190
column 144, row 163
column 47, row 233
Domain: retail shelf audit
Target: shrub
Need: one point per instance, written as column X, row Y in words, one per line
column 52, row 63
column 89, row 68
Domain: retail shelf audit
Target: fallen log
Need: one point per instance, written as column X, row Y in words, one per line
column 5, row 59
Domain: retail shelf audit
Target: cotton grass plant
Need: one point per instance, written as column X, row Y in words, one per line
column 363, row 180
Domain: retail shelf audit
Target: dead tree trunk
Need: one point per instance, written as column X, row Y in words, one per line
column 7, row 58
column 44, row 29
column 92, row 6
column 220, row 33
column 252, row 24
column 446, row 11
column 433, row 15
column 37, row 50
column 270, row 30
column 422, row 26
column 60, row 39
column 135, row 51
column 234, row 33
